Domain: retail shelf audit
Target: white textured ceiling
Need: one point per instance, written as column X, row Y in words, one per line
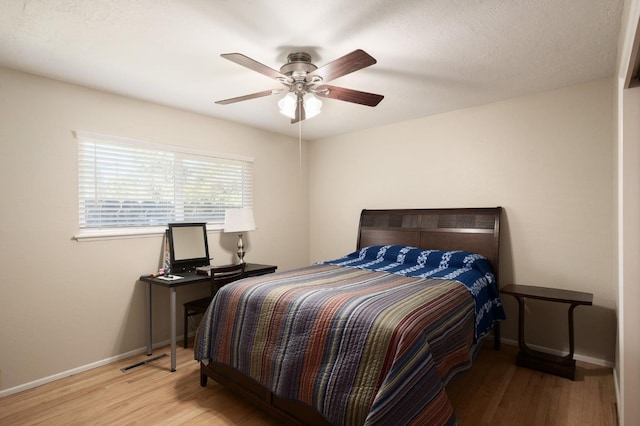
column 433, row 55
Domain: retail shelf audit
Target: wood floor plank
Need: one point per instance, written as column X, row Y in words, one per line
column 493, row 392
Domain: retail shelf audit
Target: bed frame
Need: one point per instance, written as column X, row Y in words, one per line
column 470, row 229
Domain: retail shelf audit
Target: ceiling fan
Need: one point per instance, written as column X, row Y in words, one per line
column 302, row 80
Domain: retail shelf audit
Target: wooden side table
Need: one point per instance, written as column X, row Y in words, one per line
column 564, row 366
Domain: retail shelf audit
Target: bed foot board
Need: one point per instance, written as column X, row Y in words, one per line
column 288, row 412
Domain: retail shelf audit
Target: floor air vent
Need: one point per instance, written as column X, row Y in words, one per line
column 143, row 363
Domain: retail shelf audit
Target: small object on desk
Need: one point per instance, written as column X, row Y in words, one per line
column 564, row 366
column 170, row 277
column 151, row 275
column 204, row 270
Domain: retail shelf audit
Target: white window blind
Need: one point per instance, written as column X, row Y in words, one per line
column 124, row 183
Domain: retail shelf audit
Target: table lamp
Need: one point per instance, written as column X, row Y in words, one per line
column 239, row 220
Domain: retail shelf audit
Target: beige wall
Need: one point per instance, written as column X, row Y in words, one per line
column 546, row 158
column 66, row 304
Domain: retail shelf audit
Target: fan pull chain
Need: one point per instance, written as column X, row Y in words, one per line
column 300, row 149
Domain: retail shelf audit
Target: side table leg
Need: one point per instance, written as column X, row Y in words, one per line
column 564, row 366
column 571, row 344
column 521, row 309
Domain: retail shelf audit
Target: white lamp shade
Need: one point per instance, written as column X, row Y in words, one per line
column 287, row 105
column 239, row 220
column 312, row 105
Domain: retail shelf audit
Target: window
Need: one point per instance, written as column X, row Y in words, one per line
column 125, row 184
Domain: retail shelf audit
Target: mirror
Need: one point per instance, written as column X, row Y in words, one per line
column 188, row 246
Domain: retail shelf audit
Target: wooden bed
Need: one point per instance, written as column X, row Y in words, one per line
column 469, row 229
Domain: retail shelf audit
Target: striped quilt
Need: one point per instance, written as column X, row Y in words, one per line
column 470, row 269
column 359, row 346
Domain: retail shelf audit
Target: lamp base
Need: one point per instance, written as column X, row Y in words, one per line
column 240, row 251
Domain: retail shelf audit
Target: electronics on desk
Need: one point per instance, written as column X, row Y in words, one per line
column 204, row 270
column 188, row 246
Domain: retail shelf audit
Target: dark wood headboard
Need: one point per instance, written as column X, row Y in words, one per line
column 471, row 229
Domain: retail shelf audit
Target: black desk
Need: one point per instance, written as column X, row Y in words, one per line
column 189, row 278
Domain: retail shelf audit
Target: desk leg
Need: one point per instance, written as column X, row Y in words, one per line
column 172, row 309
column 149, row 330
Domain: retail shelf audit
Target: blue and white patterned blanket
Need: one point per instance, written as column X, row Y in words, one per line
column 470, row 269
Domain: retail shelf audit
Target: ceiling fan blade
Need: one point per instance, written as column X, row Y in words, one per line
column 247, row 62
column 348, row 95
column 347, row 64
column 247, row 97
column 300, row 114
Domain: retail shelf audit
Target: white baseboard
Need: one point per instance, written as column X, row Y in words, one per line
column 576, row 356
column 80, row 369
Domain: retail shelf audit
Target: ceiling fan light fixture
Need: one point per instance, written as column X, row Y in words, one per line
column 302, row 81
column 312, row 105
column 287, row 105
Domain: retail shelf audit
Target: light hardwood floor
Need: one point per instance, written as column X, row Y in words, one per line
column 497, row 392
column 493, row 392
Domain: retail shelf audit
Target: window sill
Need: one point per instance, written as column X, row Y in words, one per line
column 117, row 233
column 126, row 233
